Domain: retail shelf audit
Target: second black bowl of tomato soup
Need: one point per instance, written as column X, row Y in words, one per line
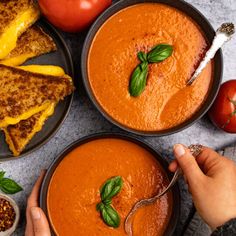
column 110, row 55
column 71, row 188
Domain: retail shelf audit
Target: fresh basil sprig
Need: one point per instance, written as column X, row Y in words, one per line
column 139, row 76
column 159, row 53
column 139, row 79
column 8, row 186
column 142, row 56
column 110, row 189
column 109, row 215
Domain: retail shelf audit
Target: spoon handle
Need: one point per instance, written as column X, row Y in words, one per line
column 195, row 150
column 222, row 36
column 177, row 175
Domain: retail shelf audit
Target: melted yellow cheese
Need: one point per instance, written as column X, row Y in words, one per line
column 9, row 37
column 44, row 69
column 18, row 60
column 12, row 121
column 48, row 112
column 38, row 126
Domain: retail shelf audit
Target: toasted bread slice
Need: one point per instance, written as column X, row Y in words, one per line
column 16, row 16
column 19, row 135
column 34, row 42
column 23, row 93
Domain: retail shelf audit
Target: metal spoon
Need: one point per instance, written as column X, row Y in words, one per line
column 223, row 35
column 195, row 151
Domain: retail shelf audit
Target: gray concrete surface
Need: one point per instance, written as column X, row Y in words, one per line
column 84, row 119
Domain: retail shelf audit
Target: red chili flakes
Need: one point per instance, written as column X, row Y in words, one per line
column 7, row 215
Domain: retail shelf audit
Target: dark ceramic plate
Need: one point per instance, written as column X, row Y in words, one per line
column 206, row 28
column 61, row 57
column 175, row 190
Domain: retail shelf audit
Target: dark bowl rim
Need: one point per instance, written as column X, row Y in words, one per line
column 50, row 27
column 175, row 215
column 194, row 13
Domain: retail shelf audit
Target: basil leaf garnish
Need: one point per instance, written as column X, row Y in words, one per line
column 107, row 202
column 139, row 76
column 99, row 206
column 110, row 216
column 138, row 79
column 9, row 186
column 111, row 188
column 142, row 56
column 159, row 53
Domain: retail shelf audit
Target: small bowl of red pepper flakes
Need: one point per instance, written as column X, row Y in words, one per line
column 9, row 215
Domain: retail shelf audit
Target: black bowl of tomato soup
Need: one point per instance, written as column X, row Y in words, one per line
column 110, row 55
column 73, row 181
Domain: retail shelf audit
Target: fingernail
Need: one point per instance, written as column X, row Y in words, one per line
column 35, row 213
column 179, row 150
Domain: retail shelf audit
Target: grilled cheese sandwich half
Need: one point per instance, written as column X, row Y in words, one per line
column 34, row 42
column 19, row 135
column 15, row 18
column 24, row 93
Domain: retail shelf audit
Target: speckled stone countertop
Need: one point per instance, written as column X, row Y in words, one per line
column 84, row 119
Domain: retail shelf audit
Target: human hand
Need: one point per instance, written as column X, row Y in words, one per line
column 211, row 180
column 37, row 223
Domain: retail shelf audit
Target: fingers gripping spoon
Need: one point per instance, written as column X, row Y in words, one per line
column 195, row 151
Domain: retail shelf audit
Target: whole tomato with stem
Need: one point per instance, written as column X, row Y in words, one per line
column 223, row 111
column 72, row 15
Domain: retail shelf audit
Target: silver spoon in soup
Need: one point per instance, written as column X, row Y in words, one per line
column 195, row 150
column 223, row 35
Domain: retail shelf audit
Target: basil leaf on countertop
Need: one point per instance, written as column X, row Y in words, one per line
column 138, row 79
column 2, row 173
column 110, row 216
column 9, row 186
column 111, row 188
column 159, row 53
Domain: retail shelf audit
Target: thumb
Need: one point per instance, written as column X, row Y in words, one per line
column 40, row 223
column 189, row 165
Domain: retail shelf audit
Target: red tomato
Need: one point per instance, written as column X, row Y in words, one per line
column 223, row 111
column 72, row 15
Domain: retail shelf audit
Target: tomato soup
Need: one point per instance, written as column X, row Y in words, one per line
column 166, row 101
column 73, row 191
